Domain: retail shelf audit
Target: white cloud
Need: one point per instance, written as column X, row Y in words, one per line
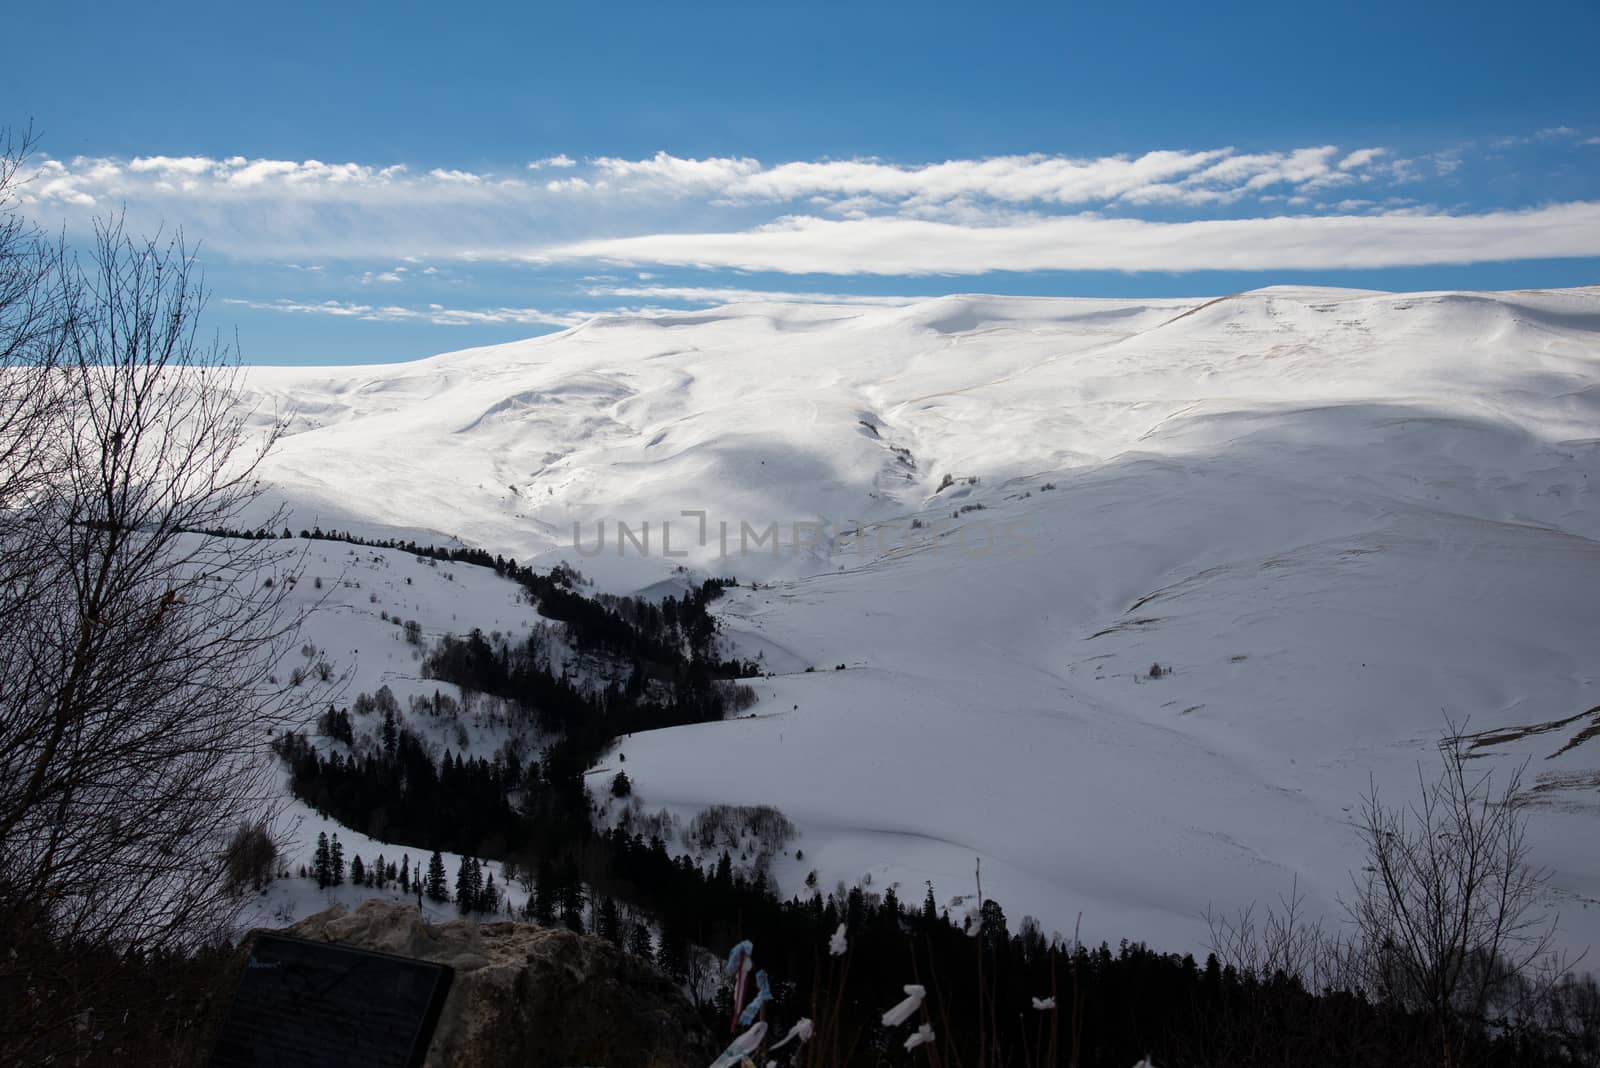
column 896, row 246
column 848, row 216
column 1361, row 157
column 172, row 164
column 264, row 170
column 1013, row 179
column 1445, row 163
column 727, row 295
column 432, row 313
column 1549, row 133
column 853, row 185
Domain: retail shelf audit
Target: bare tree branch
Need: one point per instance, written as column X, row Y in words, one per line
column 137, row 695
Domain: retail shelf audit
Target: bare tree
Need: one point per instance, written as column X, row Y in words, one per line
column 1282, row 941
column 1448, row 908
column 1570, row 1011
column 1284, row 956
column 137, row 651
column 36, row 305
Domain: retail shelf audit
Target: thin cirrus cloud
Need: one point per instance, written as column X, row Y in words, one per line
column 710, row 295
column 908, row 247
column 436, row 314
column 1302, row 208
column 440, row 315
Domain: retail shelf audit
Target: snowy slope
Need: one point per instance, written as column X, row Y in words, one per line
column 1335, row 516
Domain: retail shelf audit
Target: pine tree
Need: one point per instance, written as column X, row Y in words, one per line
column 571, row 897
column 336, row 858
column 609, row 922
column 437, row 889
column 489, row 898
column 405, row 873
column 391, row 733
column 639, row 943
column 544, row 896
column 322, row 866
column 466, row 900
column 358, row 871
column 673, row 955
column 379, row 875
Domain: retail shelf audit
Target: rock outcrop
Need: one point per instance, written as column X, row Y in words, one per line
column 530, row 996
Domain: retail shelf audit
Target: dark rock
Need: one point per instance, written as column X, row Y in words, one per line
column 530, row 996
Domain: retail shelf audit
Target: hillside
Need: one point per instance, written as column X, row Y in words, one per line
column 1332, row 517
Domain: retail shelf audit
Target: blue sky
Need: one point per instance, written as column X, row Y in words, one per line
column 386, row 181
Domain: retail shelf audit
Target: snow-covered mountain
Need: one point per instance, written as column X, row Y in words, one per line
column 1333, row 518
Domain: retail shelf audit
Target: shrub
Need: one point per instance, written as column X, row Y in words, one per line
column 736, row 697
column 250, row 857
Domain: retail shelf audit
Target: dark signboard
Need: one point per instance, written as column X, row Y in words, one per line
column 312, row 1004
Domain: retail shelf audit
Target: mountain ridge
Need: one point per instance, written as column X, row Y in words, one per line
column 1339, row 517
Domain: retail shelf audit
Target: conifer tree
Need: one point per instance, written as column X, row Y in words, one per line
column 358, row 871
column 466, row 900
column 639, row 942
column 489, row 898
column 336, row 859
column 609, row 922
column 405, row 873
column 571, row 897
column 545, row 896
column 322, row 865
column 673, row 955
column 437, row 890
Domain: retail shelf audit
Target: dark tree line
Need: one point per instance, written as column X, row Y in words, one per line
column 1128, row 1002
column 1131, row 1000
